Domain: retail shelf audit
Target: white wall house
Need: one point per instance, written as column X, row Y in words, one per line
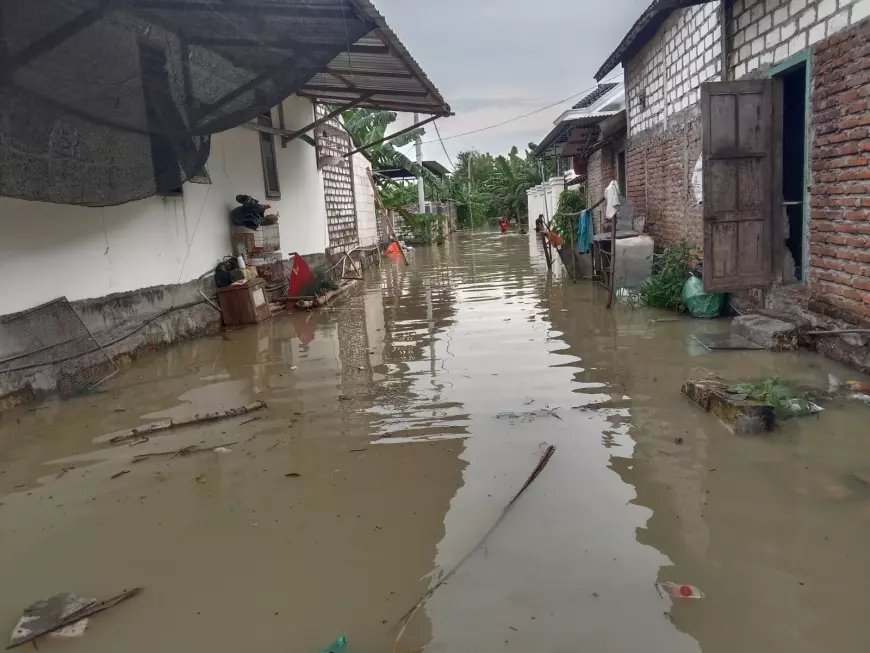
column 543, row 199
column 83, row 252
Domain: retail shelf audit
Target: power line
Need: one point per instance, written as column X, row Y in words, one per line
column 525, row 115
column 441, row 140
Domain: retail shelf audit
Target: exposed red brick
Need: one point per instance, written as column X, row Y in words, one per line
column 659, row 175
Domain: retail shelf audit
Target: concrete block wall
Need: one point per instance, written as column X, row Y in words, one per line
column 839, row 225
column 766, row 32
column 664, row 78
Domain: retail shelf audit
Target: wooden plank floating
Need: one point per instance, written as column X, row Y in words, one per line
column 166, row 425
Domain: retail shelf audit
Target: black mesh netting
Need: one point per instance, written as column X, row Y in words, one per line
column 108, row 101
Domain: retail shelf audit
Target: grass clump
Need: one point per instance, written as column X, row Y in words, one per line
column 786, row 399
column 664, row 289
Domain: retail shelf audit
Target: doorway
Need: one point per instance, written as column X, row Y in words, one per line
column 793, row 76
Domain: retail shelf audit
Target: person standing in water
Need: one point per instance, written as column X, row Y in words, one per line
column 503, row 223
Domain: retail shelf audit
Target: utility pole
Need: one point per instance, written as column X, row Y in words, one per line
column 421, row 191
column 470, row 205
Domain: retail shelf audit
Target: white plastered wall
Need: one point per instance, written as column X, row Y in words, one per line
column 536, row 204
column 366, row 216
column 52, row 250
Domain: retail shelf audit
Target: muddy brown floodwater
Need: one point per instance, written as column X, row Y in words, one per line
column 390, row 409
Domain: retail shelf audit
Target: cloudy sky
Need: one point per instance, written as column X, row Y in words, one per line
column 493, row 60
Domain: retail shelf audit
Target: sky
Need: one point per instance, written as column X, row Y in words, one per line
column 493, row 60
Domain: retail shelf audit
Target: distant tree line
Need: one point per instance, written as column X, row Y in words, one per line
column 484, row 187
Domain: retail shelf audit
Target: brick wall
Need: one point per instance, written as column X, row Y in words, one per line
column 601, row 170
column 594, row 186
column 840, row 191
column 765, row 32
column 659, row 168
column 664, row 78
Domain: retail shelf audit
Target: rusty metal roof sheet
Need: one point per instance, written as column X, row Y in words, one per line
column 379, row 68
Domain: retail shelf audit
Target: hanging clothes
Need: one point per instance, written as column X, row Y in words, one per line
column 612, row 199
column 584, row 231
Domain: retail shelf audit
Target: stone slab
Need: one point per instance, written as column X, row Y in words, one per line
column 767, row 332
column 725, row 342
column 741, row 416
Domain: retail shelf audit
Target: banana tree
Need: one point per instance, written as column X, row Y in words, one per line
column 370, row 125
column 512, row 177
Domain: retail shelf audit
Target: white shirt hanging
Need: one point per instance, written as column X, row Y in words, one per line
column 612, row 199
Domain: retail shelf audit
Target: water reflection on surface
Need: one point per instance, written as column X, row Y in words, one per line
column 391, row 407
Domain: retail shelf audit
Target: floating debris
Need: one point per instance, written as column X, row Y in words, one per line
column 59, row 612
column 530, row 415
column 336, row 646
column 679, row 591
column 406, row 618
column 184, row 451
column 165, row 425
column 120, row 474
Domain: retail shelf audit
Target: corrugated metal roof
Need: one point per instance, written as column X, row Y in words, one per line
column 378, row 67
column 594, row 95
column 642, row 31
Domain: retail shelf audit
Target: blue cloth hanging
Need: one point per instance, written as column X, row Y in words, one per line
column 584, row 231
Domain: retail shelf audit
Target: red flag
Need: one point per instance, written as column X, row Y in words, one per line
column 301, row 277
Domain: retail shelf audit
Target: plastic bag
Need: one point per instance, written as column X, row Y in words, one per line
column 679, row 591
column 338, row 645
column 700, row 303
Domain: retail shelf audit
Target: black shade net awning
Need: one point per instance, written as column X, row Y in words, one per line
column 108, row 101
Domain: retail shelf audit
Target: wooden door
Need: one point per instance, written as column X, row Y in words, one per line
column 740, row 171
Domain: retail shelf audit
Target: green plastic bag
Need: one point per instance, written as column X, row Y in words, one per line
column 700, row 303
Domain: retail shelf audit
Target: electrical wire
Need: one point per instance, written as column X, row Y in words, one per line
column 525, row 115
column 443, row 147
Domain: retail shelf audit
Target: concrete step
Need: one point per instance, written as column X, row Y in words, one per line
column 767, row 332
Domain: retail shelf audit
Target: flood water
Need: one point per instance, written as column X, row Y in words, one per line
column 407, row 417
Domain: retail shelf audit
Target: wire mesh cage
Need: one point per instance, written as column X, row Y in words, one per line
column 52, row 340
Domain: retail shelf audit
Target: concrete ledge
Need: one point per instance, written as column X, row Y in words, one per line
column 127, row 325
column 741, row 416
column 766, row 332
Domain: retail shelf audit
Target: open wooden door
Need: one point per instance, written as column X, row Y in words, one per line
column 741, row 172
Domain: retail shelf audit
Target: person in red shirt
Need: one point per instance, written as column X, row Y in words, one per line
column 503, row 223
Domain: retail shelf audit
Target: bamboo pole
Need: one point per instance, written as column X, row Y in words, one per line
column 166, row 425
column 573, row 250
column 612, row 261
column 389, row 222
column 406, row 618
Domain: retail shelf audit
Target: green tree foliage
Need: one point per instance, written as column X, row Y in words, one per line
column 370, row 125
column 571, row 201
column 489, row 187
column 484, row 187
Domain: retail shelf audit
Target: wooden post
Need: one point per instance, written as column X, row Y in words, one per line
column 545, row 242
column 386, row 215
column 573, row 248
column 612, row 261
